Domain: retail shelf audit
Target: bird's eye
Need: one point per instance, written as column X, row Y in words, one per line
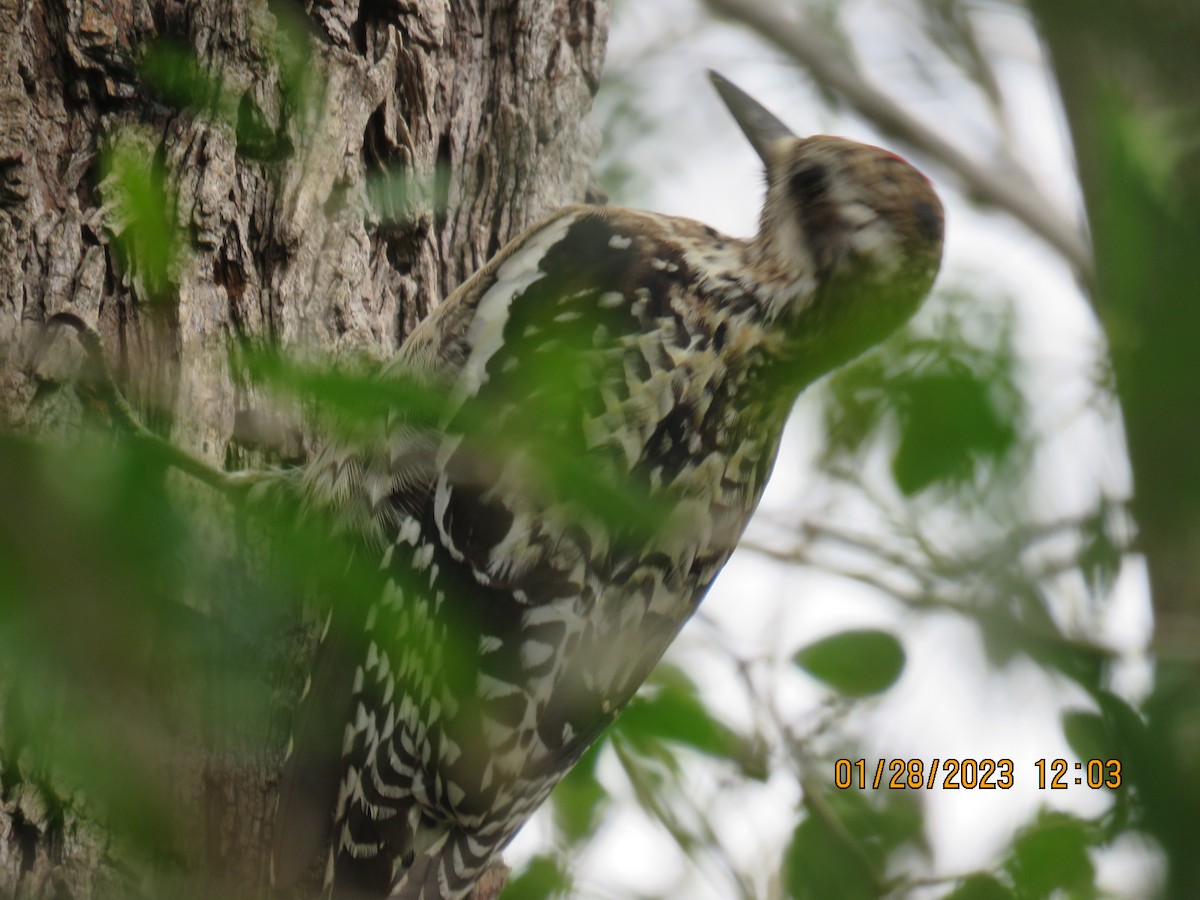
column 929, row 221
column 809, row 183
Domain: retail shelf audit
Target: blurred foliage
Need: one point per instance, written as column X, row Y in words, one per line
column 856, row 663
column 88, row 555
column 132, row 633
column 1052, row 855
column 543, row 877
column 141, row 215
column 120, row 593
column 951, row 397
column 841, row 847
column 670, row 710
column 362, row 410
column 293, row 89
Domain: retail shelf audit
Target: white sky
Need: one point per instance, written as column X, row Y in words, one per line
column 950, row 701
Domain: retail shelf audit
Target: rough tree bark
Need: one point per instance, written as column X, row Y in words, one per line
column 282, row 248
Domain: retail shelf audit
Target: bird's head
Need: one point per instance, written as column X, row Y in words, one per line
column 850, row 238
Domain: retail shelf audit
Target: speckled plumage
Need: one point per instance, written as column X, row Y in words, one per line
column 660, row 359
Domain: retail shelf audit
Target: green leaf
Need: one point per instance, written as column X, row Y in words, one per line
column 1025, row 627
column 290, row 46
column 1100, row 559
column 579, row 800
column 950, row 420
column 1124, row 724
column 820, row 866
column 542, row 878
column 840, row 852
column 953, row 400
column 357, row 404
column 670, row 709
column 856, row 663
column 145, row 234
column 1052, row 855
column 171, row 70
column 1088, row 735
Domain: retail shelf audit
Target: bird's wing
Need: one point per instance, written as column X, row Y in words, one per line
column 569, row 360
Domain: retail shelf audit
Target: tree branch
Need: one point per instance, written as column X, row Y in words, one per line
column 231, row 484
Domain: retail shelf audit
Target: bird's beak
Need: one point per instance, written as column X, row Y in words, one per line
column 758, row 123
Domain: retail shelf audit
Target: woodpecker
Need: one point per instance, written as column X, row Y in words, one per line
column 659, row 358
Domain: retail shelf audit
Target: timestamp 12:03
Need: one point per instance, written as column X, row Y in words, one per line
column 1059, row 774
column 972, row 774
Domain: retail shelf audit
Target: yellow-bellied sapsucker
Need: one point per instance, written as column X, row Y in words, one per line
column 659, row 356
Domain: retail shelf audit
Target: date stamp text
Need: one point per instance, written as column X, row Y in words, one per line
column 972, row 774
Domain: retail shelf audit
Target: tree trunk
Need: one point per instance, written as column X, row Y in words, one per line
column 268, row 190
